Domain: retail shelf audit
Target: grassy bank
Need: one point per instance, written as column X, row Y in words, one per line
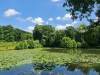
column 12, row 58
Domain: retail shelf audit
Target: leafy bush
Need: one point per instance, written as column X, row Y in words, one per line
column 79, row 45
column 74, row 44
column 34, row 44
column 67, row 42
column 22, row 45
column 29, row 44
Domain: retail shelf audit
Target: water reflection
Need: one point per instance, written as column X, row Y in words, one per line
column 51, row 69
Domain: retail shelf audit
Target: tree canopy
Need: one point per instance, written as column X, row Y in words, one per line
column 82, row 8
column 9, row 33
column 48, row 36
column 83, row 36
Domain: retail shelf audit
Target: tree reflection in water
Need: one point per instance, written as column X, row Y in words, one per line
column 52, row 69
column 69, row 69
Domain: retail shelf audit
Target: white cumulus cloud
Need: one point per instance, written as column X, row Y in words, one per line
column 58, row 18
column 67, row 16
column 38, row 20
column 55, row 1
column 50, row 19
column 62, row 27
column 11, row 13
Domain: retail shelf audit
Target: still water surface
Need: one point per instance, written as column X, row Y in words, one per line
column 29, row 69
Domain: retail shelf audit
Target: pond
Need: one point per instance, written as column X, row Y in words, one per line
column 68, row 69
column 50, row 62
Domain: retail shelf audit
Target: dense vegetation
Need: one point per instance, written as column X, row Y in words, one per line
column 28, row 44
column 83, row 36
column 11, row 34
column 7, row 45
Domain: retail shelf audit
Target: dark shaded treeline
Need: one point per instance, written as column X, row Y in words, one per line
column 83, row 36
column 10, row 34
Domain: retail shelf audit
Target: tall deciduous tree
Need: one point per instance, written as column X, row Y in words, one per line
column 82, row 8
column 59, row 34
column 70, row 32
column 44, row 33
column 92, row 36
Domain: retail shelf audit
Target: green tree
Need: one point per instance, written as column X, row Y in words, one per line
column 59, row 34
column 9, row 34
column 92, row 36
column 44, row 33
column 67, row 42
column 82, row 29
column 1, row 33
column 82, row 8
column 70, row 32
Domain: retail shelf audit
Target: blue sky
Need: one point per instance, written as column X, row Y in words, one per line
column 25, row 14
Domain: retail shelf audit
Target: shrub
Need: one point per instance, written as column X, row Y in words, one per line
column 29, row 44
column 79, row 45
column 34, row 44
column 22, row 45
column 67, row 42
column 74, row 44
column 37, row 44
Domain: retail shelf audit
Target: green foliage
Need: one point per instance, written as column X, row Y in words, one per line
column 84, row 7
column 11, row 34
column 44, row 33
column 29, row 44
column 74, row 44
column 59, row 34
column 70, row 32
column 86, row 35
column 33, row 44
column 22, row 45
column 79, row 45
column 92, row 36
column 7, row 45
column 82, row 28
column 67, row 42
column 48, row 36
